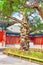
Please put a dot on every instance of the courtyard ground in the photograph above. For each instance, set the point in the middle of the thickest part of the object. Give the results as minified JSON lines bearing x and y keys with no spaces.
{"x":8,"y":60}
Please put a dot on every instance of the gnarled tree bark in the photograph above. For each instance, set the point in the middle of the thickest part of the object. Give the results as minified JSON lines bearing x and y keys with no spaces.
{"x":24,"y":33}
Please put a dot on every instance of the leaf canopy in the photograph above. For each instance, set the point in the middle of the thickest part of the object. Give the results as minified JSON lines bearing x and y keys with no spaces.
{"x":9,"y":6}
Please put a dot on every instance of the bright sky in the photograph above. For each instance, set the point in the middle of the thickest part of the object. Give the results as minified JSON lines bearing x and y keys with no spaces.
{"x":17,"y":15}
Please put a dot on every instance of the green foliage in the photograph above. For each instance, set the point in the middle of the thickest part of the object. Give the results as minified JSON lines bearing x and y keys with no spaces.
{"x":13,"y":6}
{"x":19,"y":2}
{"x":7,"y":8}
{"x":42,"y":5}
{"x":26,"y":10}
{"x":1,"y":5}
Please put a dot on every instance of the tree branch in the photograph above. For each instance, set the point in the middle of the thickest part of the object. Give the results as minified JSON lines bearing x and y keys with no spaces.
{"x":13,"y":18}
{"x":36,"y":5}
{"x":2,"y":21}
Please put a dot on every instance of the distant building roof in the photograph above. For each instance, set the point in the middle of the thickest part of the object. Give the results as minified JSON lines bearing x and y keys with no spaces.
{"x":14,"y":28}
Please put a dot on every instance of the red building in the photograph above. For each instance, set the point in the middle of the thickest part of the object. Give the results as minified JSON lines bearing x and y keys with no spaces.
{"x":14,"y":38}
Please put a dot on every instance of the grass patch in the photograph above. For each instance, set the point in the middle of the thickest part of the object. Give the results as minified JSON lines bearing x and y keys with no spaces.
{"x":38,"y":56}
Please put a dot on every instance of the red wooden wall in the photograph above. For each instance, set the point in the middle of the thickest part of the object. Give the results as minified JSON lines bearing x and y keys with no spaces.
{"x":12,"y":39}
{"x":16,"y":40}
{"x":37,"y":40}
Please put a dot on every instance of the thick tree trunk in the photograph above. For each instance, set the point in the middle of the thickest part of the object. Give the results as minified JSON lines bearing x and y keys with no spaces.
{"x":24,"y":34}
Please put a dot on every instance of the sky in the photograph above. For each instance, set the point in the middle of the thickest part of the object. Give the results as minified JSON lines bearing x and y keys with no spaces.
{"x":17,"y":15}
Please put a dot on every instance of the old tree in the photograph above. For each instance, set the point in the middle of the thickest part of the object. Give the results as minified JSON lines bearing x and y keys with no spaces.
{"x":7,"y":7}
